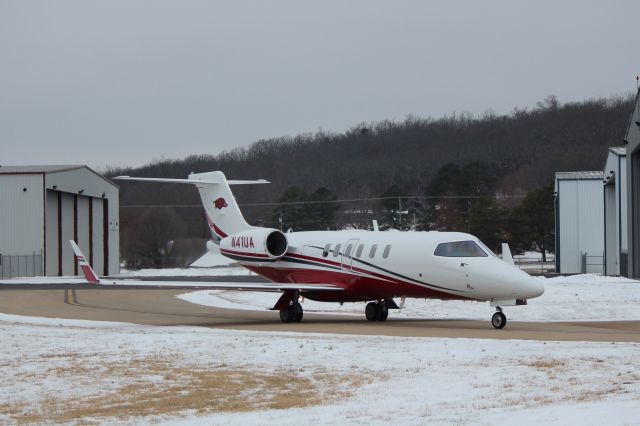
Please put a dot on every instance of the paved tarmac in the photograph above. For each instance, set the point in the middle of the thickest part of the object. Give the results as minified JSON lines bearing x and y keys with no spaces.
{"x":161,"y":307}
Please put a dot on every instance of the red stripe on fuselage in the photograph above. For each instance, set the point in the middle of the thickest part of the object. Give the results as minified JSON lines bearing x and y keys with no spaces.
{"x":348,"y":276}
{"x":357,"y":287}
{"x":349,"y":268}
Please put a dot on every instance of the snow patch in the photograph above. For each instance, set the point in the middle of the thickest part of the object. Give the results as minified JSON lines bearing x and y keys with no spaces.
{"x":408,"y":380}
{"x":575,"y":298}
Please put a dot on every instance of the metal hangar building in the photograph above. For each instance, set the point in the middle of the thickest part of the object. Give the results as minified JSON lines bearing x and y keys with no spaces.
{"x":615,"y":213}
{"x":43,"y":207}
{"x":579,"y":222}
{"x":632,"y":139}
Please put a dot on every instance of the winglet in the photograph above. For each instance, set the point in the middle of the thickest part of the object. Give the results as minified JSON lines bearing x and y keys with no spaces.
{"x":84,"y":265}
{"x":506,"y":254}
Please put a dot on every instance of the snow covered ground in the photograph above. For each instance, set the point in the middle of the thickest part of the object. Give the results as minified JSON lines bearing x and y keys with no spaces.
{"x":575,"y":298}
{"x":68,"y":371}
{"x":187,"y":272}
{"x":146,"y":273}
{"x":212,"y":258}
{"x":71,"y":371}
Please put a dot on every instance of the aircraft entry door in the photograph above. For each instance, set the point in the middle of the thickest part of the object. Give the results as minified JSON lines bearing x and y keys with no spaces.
{"x":348,"y":252}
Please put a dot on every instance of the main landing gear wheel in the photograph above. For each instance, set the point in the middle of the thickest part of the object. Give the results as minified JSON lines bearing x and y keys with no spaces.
{"x":376,"y":311}
{"x":293,"y":313}
{"x":498,"y":320}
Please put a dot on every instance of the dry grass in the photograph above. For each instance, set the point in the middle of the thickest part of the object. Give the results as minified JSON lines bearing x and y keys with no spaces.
{"x":546,"y":364}
{"x":154,"y":386}
{"x":554,"y":386}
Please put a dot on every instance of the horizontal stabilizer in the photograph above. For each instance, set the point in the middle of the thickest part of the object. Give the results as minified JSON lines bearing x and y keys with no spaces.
{"x":193,"y":181}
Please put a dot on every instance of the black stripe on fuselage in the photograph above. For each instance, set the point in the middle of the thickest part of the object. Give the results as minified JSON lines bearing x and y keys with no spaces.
{"x":308,"y":262}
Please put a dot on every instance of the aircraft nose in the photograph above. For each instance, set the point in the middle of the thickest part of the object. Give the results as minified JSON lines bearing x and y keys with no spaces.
{"x":531,"y":287}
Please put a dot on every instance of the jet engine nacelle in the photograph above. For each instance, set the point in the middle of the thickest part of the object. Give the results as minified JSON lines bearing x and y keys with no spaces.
{"x":258,"y":241}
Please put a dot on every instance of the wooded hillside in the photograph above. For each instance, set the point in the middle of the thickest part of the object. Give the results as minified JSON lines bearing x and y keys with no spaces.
{"x":523,"y":150}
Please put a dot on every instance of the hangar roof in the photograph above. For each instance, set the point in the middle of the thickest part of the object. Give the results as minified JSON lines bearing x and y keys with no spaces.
{"x":45,"y":169}
{"x":579,"y":175}
{"x":619,"y":150}
{"x":39,"y":169}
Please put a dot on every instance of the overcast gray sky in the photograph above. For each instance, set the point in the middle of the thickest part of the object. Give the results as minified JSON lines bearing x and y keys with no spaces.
{"x":127,"y":82}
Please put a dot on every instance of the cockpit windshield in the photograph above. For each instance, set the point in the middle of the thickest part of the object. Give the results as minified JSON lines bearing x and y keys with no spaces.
{"x":460,"y":249}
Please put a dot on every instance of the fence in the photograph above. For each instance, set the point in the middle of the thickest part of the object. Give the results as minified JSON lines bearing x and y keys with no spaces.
{"x":535,"y":266}
{"x":29,"y":265}
{"x":161,"y":262}
{"x":592,"y":264}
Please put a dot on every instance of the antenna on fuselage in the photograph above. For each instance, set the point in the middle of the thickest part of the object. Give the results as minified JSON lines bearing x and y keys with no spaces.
{"x":375,"y":225}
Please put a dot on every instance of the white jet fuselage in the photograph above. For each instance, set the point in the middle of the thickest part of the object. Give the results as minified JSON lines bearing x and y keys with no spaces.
{"x":379,"y":265}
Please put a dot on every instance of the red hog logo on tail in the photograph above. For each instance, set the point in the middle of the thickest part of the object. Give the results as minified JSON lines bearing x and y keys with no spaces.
{"x":220,"y":203}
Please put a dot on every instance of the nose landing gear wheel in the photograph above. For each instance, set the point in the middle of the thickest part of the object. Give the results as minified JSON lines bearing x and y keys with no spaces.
{"x":498,"y":320}
{"x":376,"y":311}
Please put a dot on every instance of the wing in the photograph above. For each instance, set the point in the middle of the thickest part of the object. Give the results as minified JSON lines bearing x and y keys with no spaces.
{"x":199,"y":285}
{"x":92,"y":279}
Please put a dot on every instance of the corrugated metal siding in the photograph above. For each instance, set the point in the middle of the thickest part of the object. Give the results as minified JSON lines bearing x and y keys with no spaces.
{"x":52,"y":233}
{"x":611,"y":225}
{"x":21,"y":214}
{"x":633,"y":190}
{"x":114,"y":238}
{"x":74,"y":181}
{"x":615,"y":210}
{"x":23,"y":224}
{"x":98,"y":237}
{"x":83,"y":225}
{"x":623,"y":204}
{"x":67,"y":234}
{"x":95,"y":186}
{"x":569,"y":252}
{"x":633,"y":210}
{"x":581,"y":222}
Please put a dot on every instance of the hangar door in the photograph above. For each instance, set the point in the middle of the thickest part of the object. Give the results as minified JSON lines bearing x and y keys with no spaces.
{"x":634,"y":211}
{"x":611,"y":230}
{"x":80,"y":218}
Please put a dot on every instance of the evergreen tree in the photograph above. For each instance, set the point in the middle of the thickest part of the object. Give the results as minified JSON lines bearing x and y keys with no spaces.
{"x":321,"y":214}
{"x":531,"y":224}
{"x":290,"y":214}
{"x":392,"y":206}
{"x":471,"y":180}
{"x":486,"y":221}
{"x":477,"y":178}
{"x":445,"y":214}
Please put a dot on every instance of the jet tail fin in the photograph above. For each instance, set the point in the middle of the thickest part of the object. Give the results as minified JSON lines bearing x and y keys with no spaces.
{"x":88,"y":272}
{"x":223,"y":213}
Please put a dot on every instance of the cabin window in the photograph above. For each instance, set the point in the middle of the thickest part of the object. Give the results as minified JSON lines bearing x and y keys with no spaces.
{"x":326,"y":250}
{"x":386,"y":251}
{"x":372,"y":252}
{"x":336,"y":251}
{"x":347,"y":251}
{"x":460,"y":249}
{"x":359,"y":251}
